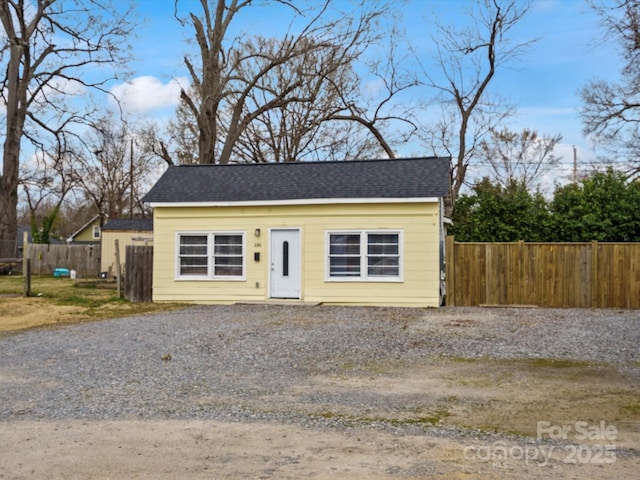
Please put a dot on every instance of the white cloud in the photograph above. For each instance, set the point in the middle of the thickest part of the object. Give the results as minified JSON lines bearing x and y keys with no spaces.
{"x":545,"y":5}
{"x":146,"y":93}
{"x":373,"y":88}
{"x":548,"y":111}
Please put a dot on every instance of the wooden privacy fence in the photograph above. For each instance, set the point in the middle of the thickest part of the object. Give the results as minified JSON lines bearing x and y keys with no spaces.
{"x":138,"y":273}
{"x":595,"y":275}
{"x":84,"y":259}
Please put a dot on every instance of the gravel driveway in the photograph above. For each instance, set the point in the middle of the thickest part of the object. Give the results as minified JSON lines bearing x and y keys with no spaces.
{"x":276,"y":364}
{"x":121,"y":368}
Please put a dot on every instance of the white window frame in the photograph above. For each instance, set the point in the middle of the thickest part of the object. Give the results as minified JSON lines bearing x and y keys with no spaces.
{"x":96,"y":231}
{"x":364,"y":235}
{"x":211,"y":256}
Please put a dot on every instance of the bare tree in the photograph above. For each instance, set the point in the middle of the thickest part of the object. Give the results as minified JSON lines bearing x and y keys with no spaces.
{"x":467,"y":60}
{"x":377,"y":113}
{"x":283,"y":132}
{"x":522,"y":157}
{"x":330,"y":95}
{"x":112,"y":170}
{"x":327,"y":113}
{"x":611,"y":111}
{"x":233,"y":78}
{"x":45,"y":183}
{"x":183,"y":132}
{"x":53,"y":50}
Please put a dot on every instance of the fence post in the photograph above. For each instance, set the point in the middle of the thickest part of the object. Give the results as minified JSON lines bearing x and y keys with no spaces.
{"x":490,"y":273}
{"x":523,"y":293}
{"x":594,"y":274}
{"x":118,"y":272}
{"x":26,"y":266}
{"x":450,"y":270}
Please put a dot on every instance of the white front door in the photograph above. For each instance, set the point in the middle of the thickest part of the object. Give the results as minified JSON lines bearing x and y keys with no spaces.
{"x":285,"y":263}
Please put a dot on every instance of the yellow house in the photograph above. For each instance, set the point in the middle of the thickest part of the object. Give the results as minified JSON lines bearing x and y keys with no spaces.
{"x":349,"y":233}
{"x":127,"y":232}
{"x":90,"y":232}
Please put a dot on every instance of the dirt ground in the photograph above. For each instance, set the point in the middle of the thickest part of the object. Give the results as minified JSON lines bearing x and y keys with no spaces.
{"x":19,"y":313}
{"x":216,"y":450}
{"x":597,"y":406}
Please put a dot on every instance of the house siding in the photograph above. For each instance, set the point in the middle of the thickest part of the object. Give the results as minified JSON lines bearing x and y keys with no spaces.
{"x":108,"y":246}
{"x":419,"y":223}
{"x":86,"y":234}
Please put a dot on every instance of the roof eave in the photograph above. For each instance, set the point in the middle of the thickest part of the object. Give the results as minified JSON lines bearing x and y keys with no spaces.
{"x":304,"y":201}
{"x":73,"y":235}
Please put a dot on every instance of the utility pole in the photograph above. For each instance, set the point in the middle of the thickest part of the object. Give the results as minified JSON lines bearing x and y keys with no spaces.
{"x":131,"y":180}
{"x":575,"y":164}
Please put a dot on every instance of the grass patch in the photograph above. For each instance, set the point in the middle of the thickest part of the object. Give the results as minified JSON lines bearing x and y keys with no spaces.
{"x":51,"y":287}
{"x":65,"y":301}
{"x":87,"y":302}
{"x":458,"y":359}
{"x":510,"y":396}
{"x":10,"y":285}
{"x":427,"y":419}
{"x":633,"y":408}
{"x":556,"y":363}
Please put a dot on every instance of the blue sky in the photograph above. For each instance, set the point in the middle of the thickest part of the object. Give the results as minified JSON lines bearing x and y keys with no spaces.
{"x":544,"y":85}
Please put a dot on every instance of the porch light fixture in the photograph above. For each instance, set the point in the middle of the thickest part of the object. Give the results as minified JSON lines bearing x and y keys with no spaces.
{"x":257,"y":232}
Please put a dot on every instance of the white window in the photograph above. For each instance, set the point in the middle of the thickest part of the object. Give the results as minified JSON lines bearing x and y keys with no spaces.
{"x":96,"y":231}
{"x":364,"y":255}
{"x":211,"y":255}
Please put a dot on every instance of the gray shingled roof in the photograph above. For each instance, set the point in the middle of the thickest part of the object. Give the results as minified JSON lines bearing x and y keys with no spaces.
{"x":399,"y":178}
{"x":126,"y":224}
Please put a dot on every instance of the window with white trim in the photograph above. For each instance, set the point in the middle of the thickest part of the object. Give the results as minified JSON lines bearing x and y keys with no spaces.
{"x":364,"y":255}
{"x":212,"y":255}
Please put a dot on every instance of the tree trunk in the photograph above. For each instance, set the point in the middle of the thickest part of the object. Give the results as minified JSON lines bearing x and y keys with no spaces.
{"x":85,"y":37}
{"x":15,"y":117}
{"x":208,"y":125}
{"x":9,"y":196}
{"x":8,"y":221}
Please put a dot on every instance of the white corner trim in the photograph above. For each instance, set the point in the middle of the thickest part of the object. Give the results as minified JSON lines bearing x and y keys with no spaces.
{"x":304,"y":201}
